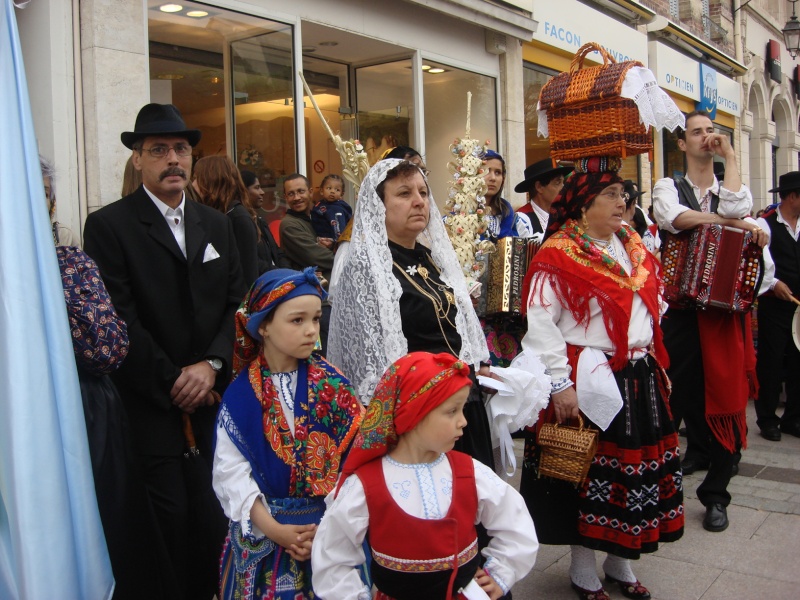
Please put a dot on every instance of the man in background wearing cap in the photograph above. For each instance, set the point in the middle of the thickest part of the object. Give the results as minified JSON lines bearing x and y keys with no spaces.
{"x":173,"y":272}
{"x":777,"y":353}
{"x":542,"y":184}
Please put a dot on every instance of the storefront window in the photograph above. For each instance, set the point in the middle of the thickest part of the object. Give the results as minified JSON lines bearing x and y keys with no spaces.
{"x":385,"y":107}
{"x":328,"y":81}
{"x":231,"y":76}
{"x":445,"y":89}
{"x":533,"y":80}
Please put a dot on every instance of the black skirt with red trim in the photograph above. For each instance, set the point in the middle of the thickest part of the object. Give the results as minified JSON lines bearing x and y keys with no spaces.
{"x":633,"y":496}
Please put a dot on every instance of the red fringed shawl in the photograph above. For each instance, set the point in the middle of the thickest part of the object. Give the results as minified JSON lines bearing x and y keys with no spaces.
{"x":578,"y":272}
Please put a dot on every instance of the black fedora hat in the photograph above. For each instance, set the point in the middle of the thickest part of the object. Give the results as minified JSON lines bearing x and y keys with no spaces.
{"x":787,"y":182}
{"x":631,"y":194}
{"x":159,"y":119}
{"x":539,"y":170}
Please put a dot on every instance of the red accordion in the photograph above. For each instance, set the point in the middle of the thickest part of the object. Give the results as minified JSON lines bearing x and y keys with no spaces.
{"x":711,"y":266}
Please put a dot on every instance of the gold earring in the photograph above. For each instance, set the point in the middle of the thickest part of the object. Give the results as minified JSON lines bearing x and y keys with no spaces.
{"x":584,"y":222}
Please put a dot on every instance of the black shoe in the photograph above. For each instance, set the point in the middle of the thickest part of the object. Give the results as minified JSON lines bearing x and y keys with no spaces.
{"x":791,"y":429}
{"x":689,"y":466}
{"x":716,"y":519}
{"x":735,"y":470}
{"x":771,"y":433}
{"x":634,"y":590}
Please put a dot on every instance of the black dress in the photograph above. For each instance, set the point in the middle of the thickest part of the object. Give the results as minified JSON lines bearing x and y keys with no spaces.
{"x":428,"y":312}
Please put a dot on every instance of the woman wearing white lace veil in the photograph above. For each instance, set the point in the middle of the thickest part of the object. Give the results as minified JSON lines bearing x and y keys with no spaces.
{"x":396,"y":296}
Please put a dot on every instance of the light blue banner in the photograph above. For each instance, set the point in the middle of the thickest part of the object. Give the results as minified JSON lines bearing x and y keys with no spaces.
{"x":51,"y":539}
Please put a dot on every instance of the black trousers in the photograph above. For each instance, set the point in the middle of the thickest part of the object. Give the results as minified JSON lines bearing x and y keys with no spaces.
{"x":193,"y":538}
{"x":688,"y":404}
{"x":777,"y":354}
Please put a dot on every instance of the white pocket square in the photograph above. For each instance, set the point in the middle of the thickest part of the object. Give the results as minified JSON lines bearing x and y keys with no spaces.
{"x":210,"y":253}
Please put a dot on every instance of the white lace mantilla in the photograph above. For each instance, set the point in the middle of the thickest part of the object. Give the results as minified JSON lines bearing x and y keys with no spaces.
{"x":366,"y":332}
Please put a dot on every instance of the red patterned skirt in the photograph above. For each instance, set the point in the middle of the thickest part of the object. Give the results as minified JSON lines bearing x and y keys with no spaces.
{"x":633,"y":496}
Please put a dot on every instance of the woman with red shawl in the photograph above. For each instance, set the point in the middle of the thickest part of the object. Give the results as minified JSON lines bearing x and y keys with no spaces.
{"x":593,"y":319}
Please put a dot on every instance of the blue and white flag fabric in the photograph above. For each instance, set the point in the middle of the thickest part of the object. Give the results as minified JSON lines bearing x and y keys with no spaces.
{"x":51,"y":538}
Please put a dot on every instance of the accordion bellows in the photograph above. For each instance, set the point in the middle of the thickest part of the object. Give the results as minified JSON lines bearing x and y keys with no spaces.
{"x":711,"y":266}
{"x":587,"y":116}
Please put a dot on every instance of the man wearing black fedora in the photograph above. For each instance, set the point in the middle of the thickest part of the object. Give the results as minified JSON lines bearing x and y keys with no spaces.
{"x":777,"y":353}
{"x":173,"y":272}
{"x":542,"y":184}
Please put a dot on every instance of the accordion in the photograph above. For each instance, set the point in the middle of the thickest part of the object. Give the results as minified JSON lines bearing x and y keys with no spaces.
{"x":508,"y":265}
{"x":711,"y":266}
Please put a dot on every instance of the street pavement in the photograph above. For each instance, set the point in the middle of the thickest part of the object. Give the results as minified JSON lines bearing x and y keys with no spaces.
{"x":757,"y":557}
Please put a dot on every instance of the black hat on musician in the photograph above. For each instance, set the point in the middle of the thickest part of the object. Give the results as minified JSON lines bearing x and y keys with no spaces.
{"x":788,"y":182}
{"x":538,"y":171}
{"x":159,"y":119}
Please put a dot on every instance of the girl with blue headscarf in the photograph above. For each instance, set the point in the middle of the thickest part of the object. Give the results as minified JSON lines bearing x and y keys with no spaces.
{"x":283,"y":429}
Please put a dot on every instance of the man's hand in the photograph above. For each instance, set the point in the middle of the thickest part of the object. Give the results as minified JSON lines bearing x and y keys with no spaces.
{"x":325,"y":242}
{"x":718,"y":144}
{"x":782,"y":292}
{"x":566,"y":404}
{"x":192,"y":387}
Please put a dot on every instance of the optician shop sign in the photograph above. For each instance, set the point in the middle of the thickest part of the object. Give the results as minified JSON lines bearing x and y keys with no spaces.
{"x":568,"y":25}
{"x":684,"y":76}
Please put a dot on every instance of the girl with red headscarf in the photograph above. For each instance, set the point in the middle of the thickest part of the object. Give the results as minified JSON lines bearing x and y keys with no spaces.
{"x":398,"y":486}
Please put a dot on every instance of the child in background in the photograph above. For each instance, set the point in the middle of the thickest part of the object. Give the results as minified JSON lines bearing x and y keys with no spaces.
{"x":283,"y":428}
{"x":418,"y":501}
{"x":331,"y":214}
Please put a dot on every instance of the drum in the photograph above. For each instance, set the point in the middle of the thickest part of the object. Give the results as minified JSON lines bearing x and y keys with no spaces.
{"x":796,"y":327}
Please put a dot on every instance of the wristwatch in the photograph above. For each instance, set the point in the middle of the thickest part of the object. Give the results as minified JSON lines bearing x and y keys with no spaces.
{"x":215,"y":363}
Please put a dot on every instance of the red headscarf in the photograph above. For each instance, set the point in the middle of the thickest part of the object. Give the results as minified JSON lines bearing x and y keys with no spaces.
{"x":410,"y":388}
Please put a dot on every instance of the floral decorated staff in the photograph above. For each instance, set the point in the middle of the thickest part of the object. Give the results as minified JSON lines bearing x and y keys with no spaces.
{"x":466,"y":202}
{"x":284,"y":425}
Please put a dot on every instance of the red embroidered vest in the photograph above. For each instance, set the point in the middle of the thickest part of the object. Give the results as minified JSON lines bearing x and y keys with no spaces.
{"x":413,"y":557}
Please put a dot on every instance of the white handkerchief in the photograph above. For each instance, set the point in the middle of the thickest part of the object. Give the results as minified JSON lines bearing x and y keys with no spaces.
{"x":210,"y":253}
{"x":522,"y":393}
{"x":598,"y":393}
{"x":473,"y":591}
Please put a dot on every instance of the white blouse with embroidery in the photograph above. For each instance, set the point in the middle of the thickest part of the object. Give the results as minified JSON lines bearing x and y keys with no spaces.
{"x":424,"y":491}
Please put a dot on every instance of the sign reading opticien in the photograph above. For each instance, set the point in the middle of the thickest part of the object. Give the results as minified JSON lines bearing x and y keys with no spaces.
{"x":681,"y":75}
{"x":568,"y":25}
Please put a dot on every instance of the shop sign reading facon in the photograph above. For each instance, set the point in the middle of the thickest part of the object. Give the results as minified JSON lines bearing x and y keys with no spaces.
{"x":568,"y":25}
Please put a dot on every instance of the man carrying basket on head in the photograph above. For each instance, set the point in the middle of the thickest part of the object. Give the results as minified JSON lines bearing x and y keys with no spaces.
{"x":593,"y":319}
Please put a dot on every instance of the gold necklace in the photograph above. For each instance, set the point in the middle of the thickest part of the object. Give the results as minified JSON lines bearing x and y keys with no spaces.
{"x":435,"y":299}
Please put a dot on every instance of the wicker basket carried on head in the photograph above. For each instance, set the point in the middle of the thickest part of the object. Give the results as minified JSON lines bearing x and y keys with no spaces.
{"x":566,"y":452}
{"x":586,"y":116}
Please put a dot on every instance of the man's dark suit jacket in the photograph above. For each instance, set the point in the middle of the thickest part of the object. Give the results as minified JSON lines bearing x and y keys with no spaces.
{"x":178,"y":310}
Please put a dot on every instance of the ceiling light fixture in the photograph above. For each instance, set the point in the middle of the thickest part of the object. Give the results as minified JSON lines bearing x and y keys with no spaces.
{"x":197,"y":14}
{"x":329,"y":43}
{"x":436,"y":70}
{"x":426,"y":67}
{"x":170,"y":8}
{"x":309,"y":49}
